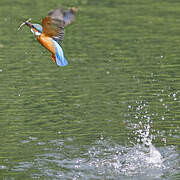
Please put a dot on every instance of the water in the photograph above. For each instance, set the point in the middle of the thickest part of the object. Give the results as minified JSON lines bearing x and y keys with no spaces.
{"x":113,"y":113}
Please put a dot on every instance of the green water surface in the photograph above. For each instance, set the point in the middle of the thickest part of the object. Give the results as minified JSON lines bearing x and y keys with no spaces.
{"x":123,"y":74}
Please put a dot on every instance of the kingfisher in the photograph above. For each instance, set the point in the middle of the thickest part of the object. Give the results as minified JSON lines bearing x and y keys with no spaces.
{"x":51,"y":33}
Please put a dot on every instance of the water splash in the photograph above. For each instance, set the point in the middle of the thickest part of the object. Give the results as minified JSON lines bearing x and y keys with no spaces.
{"x":146,"y":153}
{"x":134,"y":161}
{"x":106,"y":159}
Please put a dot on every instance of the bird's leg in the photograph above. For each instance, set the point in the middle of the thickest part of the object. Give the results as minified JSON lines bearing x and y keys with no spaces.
{"x":25,"y":23}
{"x":53,"y":58}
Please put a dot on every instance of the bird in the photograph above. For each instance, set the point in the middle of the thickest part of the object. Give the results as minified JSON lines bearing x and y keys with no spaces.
{"x":51,"y":33}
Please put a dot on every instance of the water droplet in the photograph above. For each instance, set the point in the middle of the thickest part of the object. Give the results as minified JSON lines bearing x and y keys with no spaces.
{"x":59,"y":132}
{"x":41,"y":143}
{"x":32,"y":138}
{"x":3,"y":167}
{"x":69,"y":139}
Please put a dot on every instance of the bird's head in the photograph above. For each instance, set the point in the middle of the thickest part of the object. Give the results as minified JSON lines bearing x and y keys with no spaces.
{"x":36,"y":29}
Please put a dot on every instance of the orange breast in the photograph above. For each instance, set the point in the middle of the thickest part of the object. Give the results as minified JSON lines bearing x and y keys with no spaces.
{"x":46,"y":42}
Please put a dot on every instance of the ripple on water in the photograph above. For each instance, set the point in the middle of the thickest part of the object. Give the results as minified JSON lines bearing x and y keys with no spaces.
{"x":105,"y":159}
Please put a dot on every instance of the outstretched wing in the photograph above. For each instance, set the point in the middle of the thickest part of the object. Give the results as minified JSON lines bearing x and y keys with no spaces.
{"x":69,"y":15}
{"x":57,"y":14}
{"x":53,"y":24}
{"x":53,"y":28}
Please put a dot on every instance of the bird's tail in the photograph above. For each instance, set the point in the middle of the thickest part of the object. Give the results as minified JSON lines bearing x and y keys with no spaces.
{"x":60,"y":59}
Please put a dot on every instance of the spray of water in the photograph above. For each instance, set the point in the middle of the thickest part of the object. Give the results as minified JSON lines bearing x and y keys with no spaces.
{"x":106,"y":159}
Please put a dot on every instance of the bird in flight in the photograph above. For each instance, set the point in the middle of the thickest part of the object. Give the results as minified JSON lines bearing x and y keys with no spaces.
{"x":51,"y":33}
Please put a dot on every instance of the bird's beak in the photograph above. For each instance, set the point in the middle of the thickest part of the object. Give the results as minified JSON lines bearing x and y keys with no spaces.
{"x":25,"y":23}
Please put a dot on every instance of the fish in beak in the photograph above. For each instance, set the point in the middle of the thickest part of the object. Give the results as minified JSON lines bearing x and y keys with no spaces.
{"x":25,"y":23}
